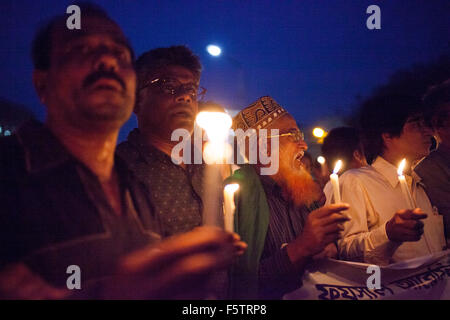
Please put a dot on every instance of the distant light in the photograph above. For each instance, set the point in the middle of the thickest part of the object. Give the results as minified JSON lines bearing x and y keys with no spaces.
{"x":7,"y":133}
{"x":318,"y":132}
{"x":214,"y":50}
{"x":320,"y":159}
{"x":0,"y":129}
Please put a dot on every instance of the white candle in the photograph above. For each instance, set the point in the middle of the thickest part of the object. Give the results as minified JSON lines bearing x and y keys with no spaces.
{"x":216,"y":126}
{"x":335,"y":182}
{"x":229,"y":206}
{"x":404,"y":185}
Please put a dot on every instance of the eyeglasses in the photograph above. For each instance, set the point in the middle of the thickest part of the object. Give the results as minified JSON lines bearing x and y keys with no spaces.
{"x":174,"y":87}
{"x":419,"y":123}
{"x":296,"y":135}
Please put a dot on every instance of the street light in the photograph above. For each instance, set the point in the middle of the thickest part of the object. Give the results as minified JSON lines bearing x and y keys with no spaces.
{"x":318,"y":132}
{"x":214,"y":50}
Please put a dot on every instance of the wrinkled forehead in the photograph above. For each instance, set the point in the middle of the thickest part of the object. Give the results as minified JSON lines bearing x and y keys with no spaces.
{"x":285,"y":123}
{"x":90,"y":25}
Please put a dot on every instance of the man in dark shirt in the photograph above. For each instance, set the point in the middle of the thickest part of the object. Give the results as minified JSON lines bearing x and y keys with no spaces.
{"x":66,"y":201}
{"x":279,"y":215}
{"x":168,"y":82}
{"x":434,"y":170}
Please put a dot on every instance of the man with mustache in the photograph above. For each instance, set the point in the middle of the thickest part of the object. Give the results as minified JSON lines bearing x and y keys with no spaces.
{"x":385,"y":227}
{"x":167,"y":93}
{"x":68,"y":201}
{"x":278,"y":215}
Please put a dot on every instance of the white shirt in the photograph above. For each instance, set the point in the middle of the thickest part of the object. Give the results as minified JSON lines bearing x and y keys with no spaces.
{"x":374,"y":195}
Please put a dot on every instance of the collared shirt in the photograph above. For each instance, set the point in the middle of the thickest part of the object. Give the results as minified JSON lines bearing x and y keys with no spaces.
{"x":175,"y":192}
{"x":54,"y":212}
{"x":374,"y":195}
{"x":435,"y":173}
{"x":277,"y":274}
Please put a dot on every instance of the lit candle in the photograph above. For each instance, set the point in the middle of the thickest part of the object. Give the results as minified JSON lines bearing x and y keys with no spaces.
{"x":229,"y":206}
{"x":217,"y":126}
{"x":404,"y":185}
{"x":335,"y":182}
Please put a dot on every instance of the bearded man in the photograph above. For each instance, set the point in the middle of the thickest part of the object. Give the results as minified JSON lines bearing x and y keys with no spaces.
{"x":279,"y":215}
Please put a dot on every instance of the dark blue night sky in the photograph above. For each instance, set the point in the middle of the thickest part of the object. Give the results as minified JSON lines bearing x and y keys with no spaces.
{"x":313,"y":57}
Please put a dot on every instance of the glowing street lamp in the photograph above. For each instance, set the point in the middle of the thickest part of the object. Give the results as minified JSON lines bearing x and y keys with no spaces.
{"x":214,"y":50}
{"x":318,"y":132}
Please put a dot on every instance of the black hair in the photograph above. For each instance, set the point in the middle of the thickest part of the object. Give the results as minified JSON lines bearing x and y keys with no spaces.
{"x":385,"y":114}
{"x":435,"y":98}
{"x":42,"y":42}
{"x":158,"y":58}
{"x":340,"y":143}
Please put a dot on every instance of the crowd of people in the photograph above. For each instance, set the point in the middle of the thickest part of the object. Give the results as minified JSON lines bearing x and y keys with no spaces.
{"x":132,"y":220}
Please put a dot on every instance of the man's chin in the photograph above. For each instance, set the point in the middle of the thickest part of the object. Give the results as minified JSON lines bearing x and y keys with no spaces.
{"x":299,"y":186}
{"x":107,"y":112}
{"x":182,"y":123}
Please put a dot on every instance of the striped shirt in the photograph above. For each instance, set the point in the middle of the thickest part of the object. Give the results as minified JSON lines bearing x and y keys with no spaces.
{"x":277,"y":275}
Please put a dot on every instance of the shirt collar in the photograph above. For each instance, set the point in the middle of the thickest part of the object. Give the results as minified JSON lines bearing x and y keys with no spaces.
{"x":151,"y":154}
{"x":148,"y":152}
{"x":389,"y":171}
{"x":42,"y":149}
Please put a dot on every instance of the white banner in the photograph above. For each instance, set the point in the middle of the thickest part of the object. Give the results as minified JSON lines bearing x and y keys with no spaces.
{"x":421,"y":278}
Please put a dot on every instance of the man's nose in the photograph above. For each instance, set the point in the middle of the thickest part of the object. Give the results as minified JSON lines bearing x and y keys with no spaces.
{"x":106,"y":61}
{"x":303,"y":145}
{"x":184,"y":97}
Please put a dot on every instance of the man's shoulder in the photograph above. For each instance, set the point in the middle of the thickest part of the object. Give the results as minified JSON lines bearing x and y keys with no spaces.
{"x":246,"y":174}
{"x":359,"y":174}
{"x":435,"y":162}
{"x":124,"y":149}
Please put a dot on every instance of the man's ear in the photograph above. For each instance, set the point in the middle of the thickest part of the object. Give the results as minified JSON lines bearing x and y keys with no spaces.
{"x":40,"y":84}
{"x":386,"y":137}
{"x":357,"y":155}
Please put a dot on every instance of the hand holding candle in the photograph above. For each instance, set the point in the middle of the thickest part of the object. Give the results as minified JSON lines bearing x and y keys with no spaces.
{"x":404,"y":185}
{"x":229,"y":206}
{"x":335,"y":182}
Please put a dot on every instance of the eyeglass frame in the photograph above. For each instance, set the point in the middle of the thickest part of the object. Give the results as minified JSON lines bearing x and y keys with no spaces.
{"x":298,"y":135}
{"x":174,"y":91}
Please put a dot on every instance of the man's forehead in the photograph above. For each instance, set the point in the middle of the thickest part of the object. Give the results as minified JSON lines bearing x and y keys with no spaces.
{"x":89,"y":26}
{"x":177,"y":72}
{"x":286,"y":122}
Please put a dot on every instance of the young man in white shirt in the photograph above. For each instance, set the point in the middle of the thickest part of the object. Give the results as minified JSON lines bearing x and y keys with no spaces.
{"x":383,"y":228}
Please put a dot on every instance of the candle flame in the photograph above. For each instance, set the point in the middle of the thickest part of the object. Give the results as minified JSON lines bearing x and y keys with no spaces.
{"x":231,"y":188}
{"x":216,"y":124}
{"x":337,"y":167}
{"x":401,"y":166}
